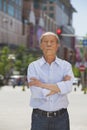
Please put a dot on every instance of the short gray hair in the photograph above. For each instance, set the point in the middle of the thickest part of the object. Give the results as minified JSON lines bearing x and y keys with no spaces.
{"x":49,"y":33}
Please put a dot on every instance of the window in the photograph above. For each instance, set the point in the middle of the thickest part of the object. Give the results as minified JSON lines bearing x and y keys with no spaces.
{"x":5,"y":6}
{"x":18,"y":14}
{"x":51,"y":15}
{"x":0,"y":4}
{"x":10,"y":10}
{"x":51,"y":8}
{"x":51,"y":1}
{"x":18,"y":2}
{"x":44,"y":8}
{"x":36,"y":4}
{"x":63,"y":7}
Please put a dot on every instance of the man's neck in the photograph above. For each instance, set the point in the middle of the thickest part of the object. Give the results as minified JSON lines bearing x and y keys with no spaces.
{"x":50,"y":59}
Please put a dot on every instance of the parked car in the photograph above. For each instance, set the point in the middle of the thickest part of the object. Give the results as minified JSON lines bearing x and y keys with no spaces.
{"x":16,"y":80}
{"x":76,"y":81}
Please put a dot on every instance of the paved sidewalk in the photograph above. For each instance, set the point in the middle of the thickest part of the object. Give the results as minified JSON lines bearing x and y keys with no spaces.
{"x":15,"y":113}
{"x":78,"y":110}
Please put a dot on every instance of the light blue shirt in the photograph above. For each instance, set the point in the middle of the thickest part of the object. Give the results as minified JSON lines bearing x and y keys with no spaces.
{"x":54,"y":74}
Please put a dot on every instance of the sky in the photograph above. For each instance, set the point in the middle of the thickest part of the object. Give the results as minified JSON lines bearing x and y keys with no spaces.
{"x":80,"y":17}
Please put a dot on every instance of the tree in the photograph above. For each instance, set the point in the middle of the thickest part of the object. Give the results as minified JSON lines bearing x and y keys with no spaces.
{"x":5,"y":64}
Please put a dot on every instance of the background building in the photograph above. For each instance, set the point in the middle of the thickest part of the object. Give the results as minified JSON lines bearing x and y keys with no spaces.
{"x":62,"y":12}
{"x":11,"y":22}
{"x":23,"y":22}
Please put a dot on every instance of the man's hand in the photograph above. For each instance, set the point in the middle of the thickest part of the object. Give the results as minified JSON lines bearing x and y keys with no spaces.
{"x":38,"y":83}
{"x":51,"y":93}
{"x":34,"y":82}
{"x":66,"y":78}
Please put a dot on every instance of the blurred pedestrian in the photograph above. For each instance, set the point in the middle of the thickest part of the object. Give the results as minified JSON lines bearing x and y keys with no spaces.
{"x":14,"y":83}
{"x":50,"y":80}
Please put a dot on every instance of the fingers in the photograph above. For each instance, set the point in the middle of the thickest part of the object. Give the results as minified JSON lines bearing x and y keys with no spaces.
{"x":34,"y":82}
{"x":33,"y":78}
{"x":30,"y":83}
{"x":51,"y":93}
{"x":67,"y":77}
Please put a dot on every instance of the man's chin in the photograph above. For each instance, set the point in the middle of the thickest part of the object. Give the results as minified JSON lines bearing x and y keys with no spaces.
{"x":49,"y":54}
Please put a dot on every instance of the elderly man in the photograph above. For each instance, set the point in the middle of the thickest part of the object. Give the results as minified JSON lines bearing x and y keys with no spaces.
{"x":50,"y":80}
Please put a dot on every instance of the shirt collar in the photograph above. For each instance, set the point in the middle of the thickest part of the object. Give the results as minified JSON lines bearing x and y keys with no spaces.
{"x":43,"y":61}
{"x":57,"y":60}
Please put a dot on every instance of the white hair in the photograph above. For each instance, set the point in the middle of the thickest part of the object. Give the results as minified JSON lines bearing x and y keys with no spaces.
{"x":49,"y":33}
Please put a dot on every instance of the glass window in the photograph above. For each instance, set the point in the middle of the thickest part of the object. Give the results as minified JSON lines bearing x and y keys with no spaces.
{"x":17,"y":2}
{"x":63,"y":7}
{"x":51,"y":1}
{"x":36,"y":4}
{"x":51,"y":15}
{"x":18,"y":14}
{"x":5,"y":6}
{"x":0,"y":4}
{"x":26,"y":21}
{"x":10,"y":10}
{"x":51,"y":8}
{"x":20,"y":2}
{"x":44,"y":8}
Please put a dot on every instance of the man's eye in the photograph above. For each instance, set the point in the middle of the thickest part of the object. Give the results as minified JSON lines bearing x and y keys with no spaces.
{"x":52,"y":41}
{"x":45,"y":41}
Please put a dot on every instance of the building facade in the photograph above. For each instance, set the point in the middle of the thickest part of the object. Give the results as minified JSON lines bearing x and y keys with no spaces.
{"x":62,"y":12}
{"x":23,"y":22}
{"x":36,"y":22}
{"x":11,"y":22}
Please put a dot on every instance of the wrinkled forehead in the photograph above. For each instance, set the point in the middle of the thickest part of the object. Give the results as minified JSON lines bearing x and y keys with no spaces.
{"x":49,"y":37}
{"x":49,"y":34}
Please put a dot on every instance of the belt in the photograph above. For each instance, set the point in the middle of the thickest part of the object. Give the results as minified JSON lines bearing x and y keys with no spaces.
{"x":49,"y":113}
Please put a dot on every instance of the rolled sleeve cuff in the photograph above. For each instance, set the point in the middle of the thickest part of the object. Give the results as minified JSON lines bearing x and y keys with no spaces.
{"x":45,"y":92}
{"x":65,"y":87}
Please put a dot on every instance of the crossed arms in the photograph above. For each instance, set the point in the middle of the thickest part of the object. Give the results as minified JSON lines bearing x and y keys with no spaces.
{"x":52,"y":87}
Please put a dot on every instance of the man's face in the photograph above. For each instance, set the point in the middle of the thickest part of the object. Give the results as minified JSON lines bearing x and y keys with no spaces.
{"x":49,"y":45}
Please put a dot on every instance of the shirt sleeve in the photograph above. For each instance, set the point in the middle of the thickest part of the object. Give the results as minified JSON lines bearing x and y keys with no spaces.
{"x":36,"y":92}
{"x":66,"y":86}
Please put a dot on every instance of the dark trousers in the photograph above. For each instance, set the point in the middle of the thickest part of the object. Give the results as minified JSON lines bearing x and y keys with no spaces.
{"x":41,"y":122}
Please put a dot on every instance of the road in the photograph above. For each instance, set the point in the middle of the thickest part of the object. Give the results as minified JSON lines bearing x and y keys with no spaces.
{"x":15,"y":112}
{"x":78,"y":110}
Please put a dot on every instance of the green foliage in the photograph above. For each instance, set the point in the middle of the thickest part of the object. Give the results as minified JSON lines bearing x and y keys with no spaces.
{"x":2,"y":68}
{"x":23,"y":58}
{"x":4,"y":61}
{"x":18,"y":64}
{"x":76,"y":71}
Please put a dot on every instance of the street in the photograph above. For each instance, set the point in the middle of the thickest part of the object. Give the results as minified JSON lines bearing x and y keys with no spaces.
{"x":15,"y":112}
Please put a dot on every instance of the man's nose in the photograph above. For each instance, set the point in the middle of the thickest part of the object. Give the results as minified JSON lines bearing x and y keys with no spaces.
{"x":49,"y":43}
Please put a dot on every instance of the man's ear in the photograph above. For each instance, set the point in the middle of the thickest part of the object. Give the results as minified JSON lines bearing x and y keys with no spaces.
{"x":58,"y":45}
{"x":40,"y":46}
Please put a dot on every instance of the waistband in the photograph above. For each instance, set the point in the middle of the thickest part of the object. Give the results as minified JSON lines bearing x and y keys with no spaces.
{"x":49,"y":113}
